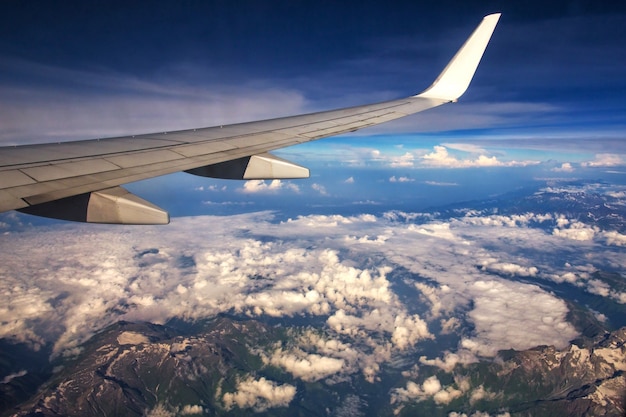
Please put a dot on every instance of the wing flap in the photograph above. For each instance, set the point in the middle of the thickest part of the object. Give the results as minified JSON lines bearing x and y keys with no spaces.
{"x":68,"y":151}
{"x":45,"y":173}
{"x":144,"y":158}
{"x":114,"y":205}
{"x":206,"y":148}
{"x":9,"y":201}
{"x":15,"y":178}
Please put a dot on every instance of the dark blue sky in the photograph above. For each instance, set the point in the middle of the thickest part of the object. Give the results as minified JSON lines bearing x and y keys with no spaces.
{"x":549,"y":98}
{"x":567,"y":54}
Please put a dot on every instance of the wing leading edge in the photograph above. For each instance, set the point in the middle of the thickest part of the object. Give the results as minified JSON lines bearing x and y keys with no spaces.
{"x":81,"y":180}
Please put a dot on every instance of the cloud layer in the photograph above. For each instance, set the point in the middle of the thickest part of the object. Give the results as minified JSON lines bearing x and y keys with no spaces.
{"x":378,"y":286}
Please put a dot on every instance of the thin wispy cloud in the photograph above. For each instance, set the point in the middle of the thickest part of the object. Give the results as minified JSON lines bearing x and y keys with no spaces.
{"x":78,"y":104}
{"x":319,"y":188}
{"x":606,"y":160}
{"x":400,"y":179}
{"x":441,"y":183}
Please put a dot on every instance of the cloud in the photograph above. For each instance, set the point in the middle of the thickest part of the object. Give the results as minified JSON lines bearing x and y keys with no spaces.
{"x":319,"y":188}
{"x":450,"y":360}
{"x":616,"y":194}
{"x":366,"y":203}
{"x":227,"y":203}
{"x":357,"y":301}
{"x":599,"y":287}
{"x":381,"y":239}
{"x":503,"y":319}
{"x":570,"y":277}
{"x":510,"y":269}
{"x":213,"y":187}
{"x":478,"y":414}
{"x":407,"y":160}
{"x":441,"y":184}
{"x":313,"y":355}
{"x":404,"y":217}
{"x":259,"y":394}
{"x":400,"y":179}
{"x":350,"y":180}
{"x":192,"y":409}
{"x":465,"y":147}
{"x":432,"y":294}
{"x":77,"y":104}
{"x":409,"y":330}
{"x":614,"y":238}
{"x":333,"y":220}
{"x":11,"y":377}
{"x":262,"y":187}
{"x":403,"y":161}
{"x":481,"y":393}
{"x":133,"y":105}
{"x":341,"y":269}
{"x":475,"y":115}
{"x":574,"y":230}
{"x":508,"y":221}
{"x":431,"y":388}
{"x":306,"y":366}
{"x":565,"y":167}
{"x":438,"y":230}
{"x":160,"y":410}
{"x":440,"y":158}
{"x":605,"y":160}
{"x":132,"y":338}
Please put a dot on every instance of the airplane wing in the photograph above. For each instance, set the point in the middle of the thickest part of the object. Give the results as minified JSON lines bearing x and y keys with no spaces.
{"x":81,"y":180}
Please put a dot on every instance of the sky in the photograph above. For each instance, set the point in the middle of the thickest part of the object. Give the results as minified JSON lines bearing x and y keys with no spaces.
{"x":79,"y":70}
{"x":547,"y":99}
{"x":547,"y":105}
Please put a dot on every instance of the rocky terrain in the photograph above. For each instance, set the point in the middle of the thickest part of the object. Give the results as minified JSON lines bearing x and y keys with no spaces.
{"x":136,"y":369}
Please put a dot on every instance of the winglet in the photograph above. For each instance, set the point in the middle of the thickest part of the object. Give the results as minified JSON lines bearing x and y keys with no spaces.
{"x":456,"y":76}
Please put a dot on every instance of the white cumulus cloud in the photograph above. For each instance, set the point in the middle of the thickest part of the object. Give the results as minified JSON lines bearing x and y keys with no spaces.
{"x":441,"y":158}
{"x":272,"y":187}
{"x":565,"y":167}
{"x":574,"y":230}
{"x":306,"y":366}
{"x":431,"y":388}
{"x":259,"y":394}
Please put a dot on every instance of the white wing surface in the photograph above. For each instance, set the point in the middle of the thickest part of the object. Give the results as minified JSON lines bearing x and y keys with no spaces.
{"x":81,"y":180}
